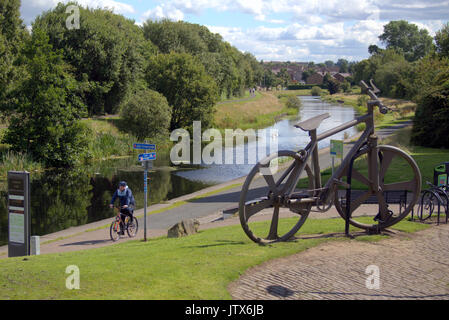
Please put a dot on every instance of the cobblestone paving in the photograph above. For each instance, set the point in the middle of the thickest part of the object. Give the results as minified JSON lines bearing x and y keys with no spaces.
{"x":411,"y":266}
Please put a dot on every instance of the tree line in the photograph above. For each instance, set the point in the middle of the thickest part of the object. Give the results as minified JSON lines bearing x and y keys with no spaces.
{"x":160,"y":76}
{"x":413,"y":66}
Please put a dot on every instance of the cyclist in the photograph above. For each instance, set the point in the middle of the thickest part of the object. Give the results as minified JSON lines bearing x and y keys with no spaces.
{"x":127,"y":203}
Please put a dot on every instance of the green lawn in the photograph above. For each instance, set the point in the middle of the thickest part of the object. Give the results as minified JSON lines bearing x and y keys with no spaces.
{"x":196,"y":267}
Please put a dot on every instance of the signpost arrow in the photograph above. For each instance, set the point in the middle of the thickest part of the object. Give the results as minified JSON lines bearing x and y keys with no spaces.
{"x":144,"y":146}
{"x":147,"y":156}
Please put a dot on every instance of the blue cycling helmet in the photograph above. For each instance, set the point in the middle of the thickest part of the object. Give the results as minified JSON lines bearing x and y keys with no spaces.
{"x":122,"y":184}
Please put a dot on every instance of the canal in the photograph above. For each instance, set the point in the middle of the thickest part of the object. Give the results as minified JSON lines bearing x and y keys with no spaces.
{"x":62,"y":199}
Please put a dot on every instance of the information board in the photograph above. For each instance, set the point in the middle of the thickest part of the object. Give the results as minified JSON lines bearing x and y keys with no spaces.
{"x":337,"y":148}
{"x":18,"y":213}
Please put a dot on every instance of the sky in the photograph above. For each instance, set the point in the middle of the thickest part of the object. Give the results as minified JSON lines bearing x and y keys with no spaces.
{"x":280,"y":30}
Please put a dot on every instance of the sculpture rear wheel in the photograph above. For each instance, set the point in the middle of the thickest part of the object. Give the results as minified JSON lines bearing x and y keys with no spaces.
{"x":264,"y":194}
{"x":400,"y":187}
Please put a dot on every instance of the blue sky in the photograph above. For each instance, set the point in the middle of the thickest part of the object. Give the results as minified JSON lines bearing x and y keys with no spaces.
{"x":281,"y":30}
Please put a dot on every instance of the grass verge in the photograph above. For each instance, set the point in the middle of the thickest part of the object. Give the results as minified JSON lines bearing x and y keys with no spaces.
{"x":257,"y":113}
{"x":196,"y":267}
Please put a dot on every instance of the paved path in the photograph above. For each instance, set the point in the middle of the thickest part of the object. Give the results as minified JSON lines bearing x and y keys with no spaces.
{"x":76,"y":238}
{"x":408,"y":269}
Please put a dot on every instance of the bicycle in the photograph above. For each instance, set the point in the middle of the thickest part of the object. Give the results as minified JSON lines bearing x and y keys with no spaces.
{"x":435,"y":196}
{"x":367,"y":163}
{"x":117,"y":225}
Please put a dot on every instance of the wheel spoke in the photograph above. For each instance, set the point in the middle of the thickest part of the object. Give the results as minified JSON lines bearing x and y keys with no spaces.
{"x":289,"y":187}
{"x":358,"y":176}
{"x":387,"y":157}
{"x":404,"y":185}
{"x":265,"y":171}
{"x":360,"y":200}
{"x":273,"y":235}
{"x":383,"y":206}
{"x":254,"y":206}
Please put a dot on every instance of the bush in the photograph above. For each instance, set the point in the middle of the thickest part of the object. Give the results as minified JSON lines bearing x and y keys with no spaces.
{"x":293,"y":102}
{"x":316,"y":91}
{"x":147,"y":114}
{"x":346,"y":87}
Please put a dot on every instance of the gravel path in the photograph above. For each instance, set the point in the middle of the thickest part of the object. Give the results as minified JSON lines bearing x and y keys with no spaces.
{"x":407,"y":266}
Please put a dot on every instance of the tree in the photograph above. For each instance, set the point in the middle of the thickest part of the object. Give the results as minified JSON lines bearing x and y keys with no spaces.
{"x":374,"y":49}
{"x":394,"y":76}
{"x":108,"y":53}
{"x":189,"y":90}
{"x":232,"y":70}
{"x":147,"y":114}
{"x":344,"y":65}
{"x":329,"y":63}
{"x":442,"y":41}
{"x":45,"y":122}
{"x":407,"y":38}
{"x":12,"y":35}
{"x":432,"y":114}
{"x":284,"y":77}
{"x":332,"y":84}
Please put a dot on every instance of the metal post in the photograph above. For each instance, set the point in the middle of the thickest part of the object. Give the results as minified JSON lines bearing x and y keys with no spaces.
{"x":332,"y":166}
{"x":145,"y":189}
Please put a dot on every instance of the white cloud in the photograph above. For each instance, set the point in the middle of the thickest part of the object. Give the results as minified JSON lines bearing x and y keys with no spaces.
{"x":298,"y":42}
{"x":162,"y":12}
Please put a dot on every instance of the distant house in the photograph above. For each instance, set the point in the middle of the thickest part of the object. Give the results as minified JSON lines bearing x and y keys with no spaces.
{"x":341,"y":77}
{"x":316,"y":78}
{"x":296,"y":75}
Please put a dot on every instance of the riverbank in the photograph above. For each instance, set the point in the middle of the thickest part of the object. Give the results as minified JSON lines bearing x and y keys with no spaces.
{"x":258,"y":113}
{"x":400,"y":110}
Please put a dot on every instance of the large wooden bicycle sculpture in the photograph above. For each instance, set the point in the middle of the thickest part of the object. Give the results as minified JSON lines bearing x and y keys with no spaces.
{"x":378,"y":170}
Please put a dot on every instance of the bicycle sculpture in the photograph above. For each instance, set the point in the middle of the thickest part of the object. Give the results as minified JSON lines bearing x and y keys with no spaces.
{"x":278,"y":182}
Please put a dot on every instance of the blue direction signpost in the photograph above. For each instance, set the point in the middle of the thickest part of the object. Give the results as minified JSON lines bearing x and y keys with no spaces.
{"x":144,"y":146}
{"x":147,"y":156}
{"x":146,"y":159}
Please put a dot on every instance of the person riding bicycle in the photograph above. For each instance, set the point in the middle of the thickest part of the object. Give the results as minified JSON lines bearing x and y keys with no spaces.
{"x":127,"y":202}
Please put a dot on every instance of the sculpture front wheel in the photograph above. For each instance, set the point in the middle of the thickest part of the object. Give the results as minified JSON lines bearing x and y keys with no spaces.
{"x":263,"y":198}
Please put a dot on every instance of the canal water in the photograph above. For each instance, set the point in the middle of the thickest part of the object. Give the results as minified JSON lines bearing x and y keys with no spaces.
{"x":62,"y":199}
{"x":288,"y":138}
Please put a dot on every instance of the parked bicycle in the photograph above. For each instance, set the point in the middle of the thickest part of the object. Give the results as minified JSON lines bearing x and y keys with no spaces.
{"x":117,"y":226}
{"x":370,"y":166}
{"x":436,"y":197}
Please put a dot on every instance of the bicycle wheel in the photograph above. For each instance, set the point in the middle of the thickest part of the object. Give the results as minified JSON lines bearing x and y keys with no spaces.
{"x":114,"y":230}
{"x":132,"y":228}
{"x":265,"y":192}
{"x":444,"y":204}
{"x":399,"y":189}
{"x":427,"y":205}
